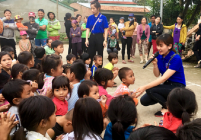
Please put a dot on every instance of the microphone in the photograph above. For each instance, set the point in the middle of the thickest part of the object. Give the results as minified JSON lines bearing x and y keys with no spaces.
{"x":150,"y":60}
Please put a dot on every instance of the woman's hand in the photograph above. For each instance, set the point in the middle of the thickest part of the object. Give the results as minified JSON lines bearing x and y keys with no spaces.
{"x":147,"y":40}
{"x":155,"y":61}
{"x":105,"y":43}
{"x":140,"y":41}
{"x":87,"y":42}
{"x":139,"y":91}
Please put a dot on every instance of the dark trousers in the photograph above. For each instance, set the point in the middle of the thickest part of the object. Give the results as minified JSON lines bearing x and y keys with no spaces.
{"x":77,"y":49}
{"x":84,"y":47}
{"x":95,"y":45}
{"x":149,"y":47}
{"x":8,"y":42}
{"x":70,"y":45}
{"x":159,"y":94}
{"x":197,"y":50}
{"x":127,"y":42}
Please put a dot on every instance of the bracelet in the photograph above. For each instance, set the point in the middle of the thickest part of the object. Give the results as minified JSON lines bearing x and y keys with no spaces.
{"x":155,"y":67}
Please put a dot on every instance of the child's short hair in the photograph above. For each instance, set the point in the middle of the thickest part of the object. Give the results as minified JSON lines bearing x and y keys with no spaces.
{"x":69,"y":115}
{"x":31,"y":74}
{"x":56,"y":43}
{"x":97,"y":56}
{"x":122,"y":72}
{"x":39,"y":52}
{"x":47,"y":41}
{"x":70,"y":56}
{"x":61,"y":82}
{"x":17,"y":68}
{"x":79,"y":70}
{"x":112,"y":55}
{"x":66,"y":67}
{"x":25,"y":57}
{"x":103,"y":75}
{"x":13,"y":89}
{"x":7,"y":49}
{"x":85,"y":56}
{"x":181,"y":102}
{"x":84,"y":88}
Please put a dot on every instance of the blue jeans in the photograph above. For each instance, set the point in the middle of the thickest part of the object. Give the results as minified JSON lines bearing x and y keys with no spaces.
{"x":40,"y":42}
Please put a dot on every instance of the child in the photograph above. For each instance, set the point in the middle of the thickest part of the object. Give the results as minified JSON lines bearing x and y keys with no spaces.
{"x":123,"y":115}
{"x":48,"y":49}
{"x":37,"y":115}
{"x":60,"y":90}
{"x":70,"y":58}
{"x":39,"y":55}
{"x":126,"y":75}
{"x":75,"y":34}
{"x":88,"y":126}
{"x":14,"y":92}
{"x":86,"y":59}
{"x":113,"y":59}
{"x":104,"y":78}
{"x":18,"y":21}
{"x":63,"y":125}
{"x":182,"y":105}
{"x":17,"y":71}
{"x":24,"y":43}
{"x":113,"y":45}
{"x":52,"y":67}
{"x":10,"y":50}
{"x":26,"y":58}
{"x":57,"y":46}
{"x":122,"y":25}
{"x":98,"y":60}
{"x":114,"y":31}
{"x":77,"y":73}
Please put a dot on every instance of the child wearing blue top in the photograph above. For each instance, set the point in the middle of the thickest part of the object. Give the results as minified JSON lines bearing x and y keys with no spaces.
{"x":98,"y":60}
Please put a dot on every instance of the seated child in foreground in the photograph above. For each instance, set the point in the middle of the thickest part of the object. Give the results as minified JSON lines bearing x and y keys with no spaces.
{"x":126,"y":75}
{"x":70,"y":58}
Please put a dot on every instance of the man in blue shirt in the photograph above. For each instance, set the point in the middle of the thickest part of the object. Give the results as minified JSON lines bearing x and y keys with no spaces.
{"x":153,"y":17}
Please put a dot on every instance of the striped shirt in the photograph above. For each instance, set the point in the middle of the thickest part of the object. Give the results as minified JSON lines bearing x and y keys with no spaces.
{"x":74,"y":97}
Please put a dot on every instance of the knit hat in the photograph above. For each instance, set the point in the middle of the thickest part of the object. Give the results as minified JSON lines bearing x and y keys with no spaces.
{"x":39,"y":52}
{"x":18,"y":17}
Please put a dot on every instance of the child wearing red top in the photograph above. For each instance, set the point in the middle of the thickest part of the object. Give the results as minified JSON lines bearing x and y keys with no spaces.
{"x":60,"y":89}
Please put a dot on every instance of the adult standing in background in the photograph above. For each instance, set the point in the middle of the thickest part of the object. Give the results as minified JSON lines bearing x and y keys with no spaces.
{"x":53,"y":26}
{"x":79,"y":19}
{"x":7,"y":36}
{"x":134,"y":41}
{"x":41,"y":37}
{"x":68,"y":25}
{"x":83,"y":29}
{"x":32,"y":30}
{"x":97,"y":24}
{"x":110,"y":28}
{"x":155,"y":31}
{"x":153,"y":17}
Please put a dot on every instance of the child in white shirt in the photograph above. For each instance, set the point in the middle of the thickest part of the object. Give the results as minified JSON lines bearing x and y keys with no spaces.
{"x":121,"y":25}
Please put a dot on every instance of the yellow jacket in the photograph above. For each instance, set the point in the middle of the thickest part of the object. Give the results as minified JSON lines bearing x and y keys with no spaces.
{"x":129,"y":29}
{"x":183,"y":32}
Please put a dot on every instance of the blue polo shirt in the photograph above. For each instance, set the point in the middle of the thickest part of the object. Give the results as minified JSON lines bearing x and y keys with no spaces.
{"x":150,"y":37}
{"x":175,"y":64}
{"x":100,"y":25}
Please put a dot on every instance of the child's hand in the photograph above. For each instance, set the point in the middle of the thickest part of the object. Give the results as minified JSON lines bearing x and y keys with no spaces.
{"x":133,"y":94}
{"x":34,"y":86}
{"x":5,"y":108}
{"x":71,"y":85}
{"x":115,"y":68}
{"x":103,"y":99}
{"x":6,"y":26}
{"x":155,"y":123}
{"x":60,"y":137}
{"x":49,"y":93}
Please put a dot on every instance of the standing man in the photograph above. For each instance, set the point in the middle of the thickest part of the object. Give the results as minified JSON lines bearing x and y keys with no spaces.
{"x":153,"y":17}
{"x":32,"y":30}
{"x":41,"y":37}
{"x":68,"y":25}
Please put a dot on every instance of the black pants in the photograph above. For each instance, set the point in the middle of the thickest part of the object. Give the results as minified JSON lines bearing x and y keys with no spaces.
{"x":77,"y":49}
{"x":70,"y":45}
{"x":159,"y":94}
{"x":197,"y":49}
{"x":84,"y":47}
{"x":127,"y":42}
{"x":8,"y":42}
{"x":95,"y":45}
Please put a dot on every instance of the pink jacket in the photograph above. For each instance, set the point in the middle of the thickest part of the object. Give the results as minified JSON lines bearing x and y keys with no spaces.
{"x":47,"y":85}
{"x":140,"y":32}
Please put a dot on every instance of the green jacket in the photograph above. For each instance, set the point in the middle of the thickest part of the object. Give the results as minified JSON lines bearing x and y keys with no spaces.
{"x":53,"y":27}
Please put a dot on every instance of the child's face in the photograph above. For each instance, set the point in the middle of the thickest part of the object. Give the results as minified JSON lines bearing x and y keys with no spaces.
{"x":112,"y":37}
{"x":85,"y":20}
{"x":61,"y":93}
{"x":52,"y":121}
{"x":121,"y":21}
{"x":18,"y":20}
{"x":7,"y":14}
{"x":59,"y":70}
{"x":114,"y":61}
{"x":68,"y":73}
{"x":113,"y":27}
{"x":99,"y":61}
{"x":71,"y":61}
{"x":6,"y":61}
{"x":26,"y":93}
{"x":12,"y":54}
{"x":31,"y":62}
{"x":130,"y":79}
{"x":110,"y":83}
{"x":49,"y":43}
{"x":94,"y":92}
{"x":24,"y":36}
{"x":59,"y":49}
{"x":68,"y":127}
{"x":88,"y":61}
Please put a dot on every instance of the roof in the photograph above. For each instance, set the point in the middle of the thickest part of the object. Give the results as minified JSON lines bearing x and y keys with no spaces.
{"x":117,"y":2}
{"x":66,"y":6}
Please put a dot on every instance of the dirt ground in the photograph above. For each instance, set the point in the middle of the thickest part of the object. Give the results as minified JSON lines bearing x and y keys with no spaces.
{"x":144,"y":76}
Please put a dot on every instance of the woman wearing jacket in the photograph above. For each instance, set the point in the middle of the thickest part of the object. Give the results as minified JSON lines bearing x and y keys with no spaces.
{"x":129,"y":28}
{"x":53,"y":26}
{"x":179,"y":34}
{"x":156,"y":31}
{"x":143,"y":33}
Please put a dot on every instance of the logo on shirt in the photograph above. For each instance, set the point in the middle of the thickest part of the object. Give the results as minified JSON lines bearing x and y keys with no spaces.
{"x":100,"y":20}
{"x":167,"y":67}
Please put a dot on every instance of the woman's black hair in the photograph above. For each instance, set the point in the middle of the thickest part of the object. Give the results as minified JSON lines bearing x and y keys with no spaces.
{"x":112,"y":18}
{"x":152,"y":133}
{"x":17,"y":68}
{"x":61,"y":82}
{"x":31,"y":112}
{"x":41,"y":10}
{"x":84,"y":88}
{"x":181,"y":17}
{"x":48,"y":15}
{"x":32,"y":75}
{"x":85,"y":56}
{"x":96,"y":4}
{"x":4,"y":53}
{"x":91,"y":122}
{"x":103,"y":75}
{"x":67,"y":16}
{"x":190,"y":131}
{"x":7,"y":10}
{"x":122,"y":113}
{"x":181,"y":102}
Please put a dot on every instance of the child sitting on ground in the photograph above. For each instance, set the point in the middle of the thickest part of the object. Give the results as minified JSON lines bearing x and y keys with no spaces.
{"x":39,"y":55}
{"x":98,"y":60}
{"x":26,"y":58}
{"x":48,"y":49}
{"x":19,"y":24}
{"x":122,"y":25}
{"x":70,"y":58}
{"x":113,"y":59}
{"x":14,"y":92}
{"x":113,"y":45}
{"x":17,"y":71}
{"x":57,"y":46}
{"x":24,"y":43}
{"x":60,"y":90}
{"x":126,"y":75}
{"x":66,"y":70}
{"x":63,"y":125}
{"x":87,"y":60}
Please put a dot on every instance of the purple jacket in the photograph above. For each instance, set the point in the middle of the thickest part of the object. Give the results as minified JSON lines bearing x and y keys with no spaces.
{"x":140,"y":32}
{"x":77,"y":38}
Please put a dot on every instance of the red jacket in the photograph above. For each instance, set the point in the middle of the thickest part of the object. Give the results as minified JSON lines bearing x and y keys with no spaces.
{"x":170,"y":122}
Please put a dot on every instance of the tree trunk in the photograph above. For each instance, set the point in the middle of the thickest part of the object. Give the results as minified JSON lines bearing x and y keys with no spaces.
{"x":186,"y":7}
{"x":197,"y":9}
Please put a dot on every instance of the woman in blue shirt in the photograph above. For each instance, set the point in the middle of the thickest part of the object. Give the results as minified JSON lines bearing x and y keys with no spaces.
{"x":169,"y":65}
{"x":96,"y":24}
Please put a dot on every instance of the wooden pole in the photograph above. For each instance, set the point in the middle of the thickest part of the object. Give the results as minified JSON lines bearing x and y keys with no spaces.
{"x":57,"y":9}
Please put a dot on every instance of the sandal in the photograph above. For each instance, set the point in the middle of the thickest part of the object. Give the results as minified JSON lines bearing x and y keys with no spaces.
{"x":131,"y":61}
{"x":133,"y":56}
{"x":123,"y":61}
